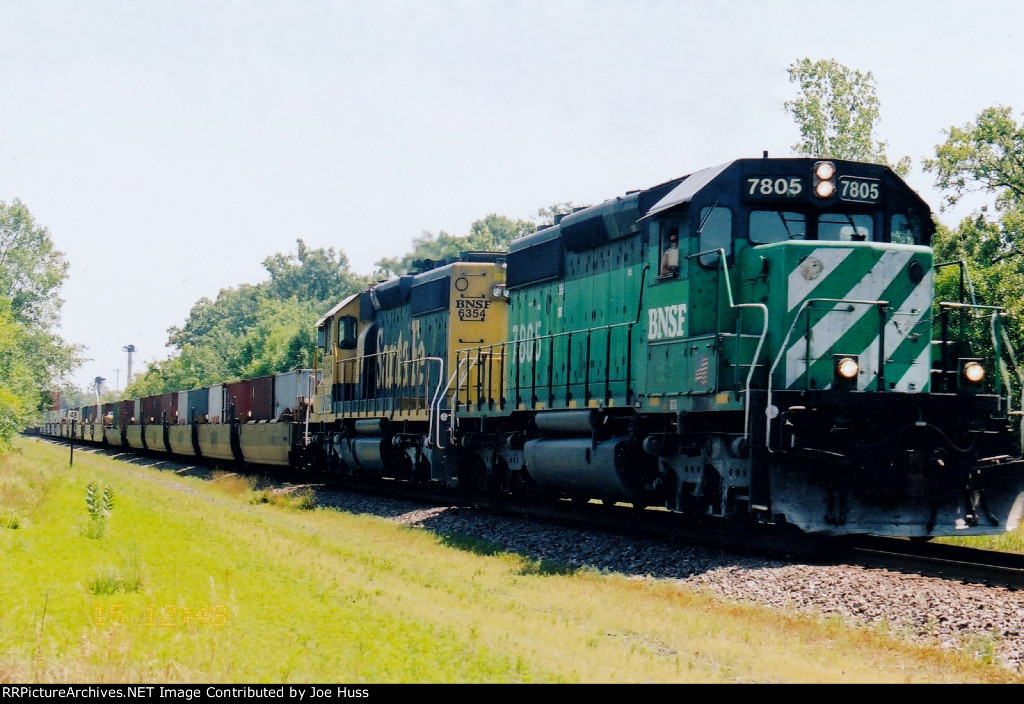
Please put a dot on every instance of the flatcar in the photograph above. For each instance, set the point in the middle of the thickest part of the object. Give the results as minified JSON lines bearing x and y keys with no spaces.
{"x":755,"y":341}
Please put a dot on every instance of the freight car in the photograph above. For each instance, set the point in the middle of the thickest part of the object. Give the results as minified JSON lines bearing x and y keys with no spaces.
{"x":755,"y":341}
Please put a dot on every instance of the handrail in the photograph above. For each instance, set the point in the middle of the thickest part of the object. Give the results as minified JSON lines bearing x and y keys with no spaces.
{"x":311,"y":384}
{"x":760,"y":342}
{"x":439,"y":397}
{"x":964,"y":273}
{"x":437,"y":390}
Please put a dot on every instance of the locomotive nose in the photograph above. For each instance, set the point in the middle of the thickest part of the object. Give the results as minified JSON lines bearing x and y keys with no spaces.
{"x":862,"y":301}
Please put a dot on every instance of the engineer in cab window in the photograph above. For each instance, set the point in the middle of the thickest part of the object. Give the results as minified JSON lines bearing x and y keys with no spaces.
{"x":670,"y":257}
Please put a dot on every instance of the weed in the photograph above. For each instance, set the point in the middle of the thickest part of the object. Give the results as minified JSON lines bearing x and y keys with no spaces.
{"x":982,"y":646}
{"x":10,"y":518}
{"x":302,"y":499}
{"x":545,"y":567}
{"x":104,"y":583}
{"x":233,"y":484}
{"x":110,"y":579}
{"x":99,"y":505}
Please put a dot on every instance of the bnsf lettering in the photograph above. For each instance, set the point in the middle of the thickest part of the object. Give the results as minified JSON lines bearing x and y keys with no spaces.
{"x":472,"y":308}
{"x":666,"y":322}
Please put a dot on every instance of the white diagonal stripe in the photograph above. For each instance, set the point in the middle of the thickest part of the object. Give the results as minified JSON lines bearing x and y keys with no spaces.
{"x":900,"y":325}
{"x":834,"y":324}
{"x":799,"y":286}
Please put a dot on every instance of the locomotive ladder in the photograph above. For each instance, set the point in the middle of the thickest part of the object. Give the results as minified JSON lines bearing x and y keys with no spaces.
{"x":761,"y":338}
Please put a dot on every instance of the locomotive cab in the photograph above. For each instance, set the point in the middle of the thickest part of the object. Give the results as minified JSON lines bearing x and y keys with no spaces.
{"x":807,"y":349}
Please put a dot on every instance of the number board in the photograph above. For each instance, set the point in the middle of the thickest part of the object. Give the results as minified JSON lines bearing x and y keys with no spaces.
{"x":859,"y":190}
{"x":774,"y":187}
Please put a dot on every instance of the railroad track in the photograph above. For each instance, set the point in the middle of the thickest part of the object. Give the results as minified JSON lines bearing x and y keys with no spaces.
{"x":953,"y":562}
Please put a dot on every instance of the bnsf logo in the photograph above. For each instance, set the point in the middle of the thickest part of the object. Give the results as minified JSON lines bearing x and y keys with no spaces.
{"x":666,"y":322}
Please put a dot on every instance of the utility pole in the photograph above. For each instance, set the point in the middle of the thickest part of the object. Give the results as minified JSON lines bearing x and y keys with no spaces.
{"x":130,"y":349}
{"x":117,"y":380}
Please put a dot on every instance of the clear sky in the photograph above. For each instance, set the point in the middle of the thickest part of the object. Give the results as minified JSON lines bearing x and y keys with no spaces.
{"x":171,"y":145}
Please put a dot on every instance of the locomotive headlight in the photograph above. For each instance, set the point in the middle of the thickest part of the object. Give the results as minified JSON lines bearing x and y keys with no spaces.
{"x":824,"y":186}
{"x":974,"y":372}
{"x":845,"y":368}
{"x":497,"y":291}
{"x":972,"y":375}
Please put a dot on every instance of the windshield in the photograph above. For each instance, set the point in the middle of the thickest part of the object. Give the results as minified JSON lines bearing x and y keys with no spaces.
{"x":845,"y":227}
{"x":767,"y":226}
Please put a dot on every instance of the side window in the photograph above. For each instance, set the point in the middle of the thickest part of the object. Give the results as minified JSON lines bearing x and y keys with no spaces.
{"x":904,"y":230}
{"x":347,"y":332}
{"x":767,"y":226}
{"x":669,"y":263}
{"x":323,"y":336}
{"x":715,"y":234}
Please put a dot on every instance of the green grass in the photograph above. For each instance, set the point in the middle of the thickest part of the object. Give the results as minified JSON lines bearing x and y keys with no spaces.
{"x":196,"y":581}
{"x":1012,"y":541}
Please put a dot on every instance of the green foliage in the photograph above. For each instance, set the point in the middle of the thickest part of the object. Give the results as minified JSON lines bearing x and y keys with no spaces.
{"x":320,"y":275}
{"x":99,"y":505}
{"x":427,"y":247}
{"x":32,"y":357}
{"x":985,"y":156}
{"x":111,"y":579}
{"x":29,"y":358}
{"x":493,"y":233}
{"x":31,"y":269}
{"x":255,"y":329}
{"x":837,"y":111}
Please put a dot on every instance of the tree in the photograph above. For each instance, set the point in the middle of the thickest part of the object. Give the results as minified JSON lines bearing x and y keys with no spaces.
{"x":311,"y":274}
{"x":836,"y":112}
{"x":985,"y":156}
{"x":33,"y":360}
{"x":19,"y":402}
{"x":551,"y":213}
{"x":426,"y":247}
{"x":31,"y":269}
{"x":493,"y":233}
{"x":255,"y":329}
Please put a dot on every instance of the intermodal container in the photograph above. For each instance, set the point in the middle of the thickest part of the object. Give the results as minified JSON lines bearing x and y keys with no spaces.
{"x":215,"y":404}
{"x":181,"y":409}
{"x":293,"y":393}
{"x":261,"y":407}
{"x":198,"y":405}
{"x":238,"y":400}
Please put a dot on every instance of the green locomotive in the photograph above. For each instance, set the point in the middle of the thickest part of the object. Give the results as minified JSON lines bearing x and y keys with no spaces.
{"x":752,"y":341}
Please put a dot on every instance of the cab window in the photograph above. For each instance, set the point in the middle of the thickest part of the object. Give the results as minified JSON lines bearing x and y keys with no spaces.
{"x":904,"y":230}
{"x":347,"y":332}
{"x":716,"y":233}
{"x":767,"y":226}
{"x":669,"y":256}
{"x":845,"y":227}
